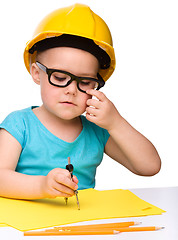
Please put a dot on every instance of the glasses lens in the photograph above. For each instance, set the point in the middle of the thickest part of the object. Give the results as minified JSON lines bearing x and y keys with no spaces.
{"x":86,"y":84}
{"x":59,"y":79}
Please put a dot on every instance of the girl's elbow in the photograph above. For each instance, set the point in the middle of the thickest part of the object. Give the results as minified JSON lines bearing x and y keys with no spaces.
{"x":154,"y":171}
{"x":153,"y":168}
{"x":156,"y":166}
{"x":150,"y":169}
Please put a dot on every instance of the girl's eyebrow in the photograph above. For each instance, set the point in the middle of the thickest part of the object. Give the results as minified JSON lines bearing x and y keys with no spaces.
{"x":87,"y":75}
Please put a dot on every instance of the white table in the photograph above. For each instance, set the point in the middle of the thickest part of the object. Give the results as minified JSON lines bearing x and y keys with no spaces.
{"x":165,"y":198}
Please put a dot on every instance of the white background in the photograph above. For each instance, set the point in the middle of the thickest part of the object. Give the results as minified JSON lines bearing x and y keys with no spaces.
{"x":143,"y":86}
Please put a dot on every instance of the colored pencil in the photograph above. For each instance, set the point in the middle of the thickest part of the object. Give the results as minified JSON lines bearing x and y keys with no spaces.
{"x":120,"y":229}
{"x":56,"y":233}
{"x":97,"y":226}
{"x":138,"y":229}
{"x":78,"y":231}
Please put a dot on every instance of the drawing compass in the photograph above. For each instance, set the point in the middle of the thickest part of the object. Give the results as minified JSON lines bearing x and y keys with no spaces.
{"x":70,"y":168}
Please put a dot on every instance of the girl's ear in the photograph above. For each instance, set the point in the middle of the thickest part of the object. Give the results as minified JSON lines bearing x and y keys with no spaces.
{"x":35,"y":73}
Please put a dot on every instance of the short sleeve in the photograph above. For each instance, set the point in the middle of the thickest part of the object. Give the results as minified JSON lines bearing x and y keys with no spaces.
{"x":14,"y":124}
{"x":105,"y":135}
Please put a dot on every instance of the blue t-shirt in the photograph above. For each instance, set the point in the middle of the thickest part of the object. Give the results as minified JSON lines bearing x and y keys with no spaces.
{"x":42,"y":151}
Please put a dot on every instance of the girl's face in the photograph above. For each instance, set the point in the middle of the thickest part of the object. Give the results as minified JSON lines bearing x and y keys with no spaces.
{"x":66,"y":103}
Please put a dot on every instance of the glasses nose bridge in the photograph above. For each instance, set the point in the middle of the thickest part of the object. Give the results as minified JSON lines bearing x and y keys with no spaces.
{"x":75,"y":78}
{"x":72,"y":87}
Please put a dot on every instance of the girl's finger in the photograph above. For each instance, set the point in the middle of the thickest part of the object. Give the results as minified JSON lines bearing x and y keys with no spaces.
{"x":91,"y":118}
{"x":94,"y":103}
{"x":74,"y":179}
{"x":62,"y":179}
{"x":63,"y":189}
{"x":101,"y":97}
{"x":91,"y":111}
{"x":56,"y":193}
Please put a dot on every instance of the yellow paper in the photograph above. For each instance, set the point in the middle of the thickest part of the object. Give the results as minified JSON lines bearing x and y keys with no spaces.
{"x":3,"y":225}
{"x":28,"y":215}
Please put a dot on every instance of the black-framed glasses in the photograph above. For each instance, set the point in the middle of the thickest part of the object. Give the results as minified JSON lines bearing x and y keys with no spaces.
{"x":60,"y":78}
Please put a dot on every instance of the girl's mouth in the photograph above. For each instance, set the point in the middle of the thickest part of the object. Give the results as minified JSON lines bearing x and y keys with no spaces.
{"x":68,"y":103}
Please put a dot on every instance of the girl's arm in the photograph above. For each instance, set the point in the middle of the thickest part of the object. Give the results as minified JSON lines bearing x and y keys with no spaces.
{"x":16,"y":185}
{"x":125,"y":144}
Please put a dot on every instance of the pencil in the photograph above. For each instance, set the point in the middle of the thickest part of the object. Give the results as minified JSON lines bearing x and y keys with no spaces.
{"x":136,"y":229}
{"x":56,"y":232}
{"x":69,"y":232}
{"x":97,"y":226}
{"x":120,"y":229}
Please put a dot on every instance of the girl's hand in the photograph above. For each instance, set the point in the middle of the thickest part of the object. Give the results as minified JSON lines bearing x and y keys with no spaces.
{"x":58,"y":183}
{"x":102,"y":112}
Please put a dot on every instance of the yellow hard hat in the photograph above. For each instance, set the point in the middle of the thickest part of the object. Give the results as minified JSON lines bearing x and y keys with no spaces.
{"x":78,"y":21}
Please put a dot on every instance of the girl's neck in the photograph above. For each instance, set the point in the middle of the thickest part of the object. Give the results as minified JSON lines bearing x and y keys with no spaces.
{"x":67,"y":130}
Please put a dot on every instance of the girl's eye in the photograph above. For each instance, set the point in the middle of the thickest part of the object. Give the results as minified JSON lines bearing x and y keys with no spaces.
{"x":86,"y":83}
{"x":60,"y":79}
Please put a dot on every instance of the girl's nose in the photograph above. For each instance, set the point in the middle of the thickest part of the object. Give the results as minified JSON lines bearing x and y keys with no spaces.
{"x":71,"y":88}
